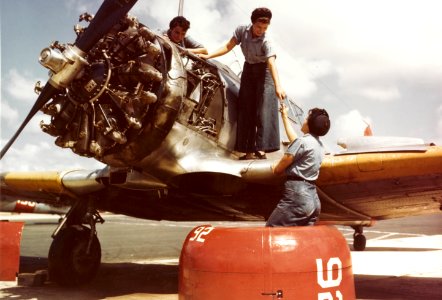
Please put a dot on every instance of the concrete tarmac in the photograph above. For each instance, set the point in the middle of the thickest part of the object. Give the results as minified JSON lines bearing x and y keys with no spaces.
{"x":403,"y":259}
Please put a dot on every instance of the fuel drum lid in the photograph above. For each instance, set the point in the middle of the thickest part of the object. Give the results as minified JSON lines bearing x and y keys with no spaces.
{"x":310,"y":262}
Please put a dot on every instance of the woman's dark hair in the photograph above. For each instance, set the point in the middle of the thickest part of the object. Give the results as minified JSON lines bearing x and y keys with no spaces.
{"x":261,"y":14}
{"x":179,"y":21}
{"x":318,"y":121}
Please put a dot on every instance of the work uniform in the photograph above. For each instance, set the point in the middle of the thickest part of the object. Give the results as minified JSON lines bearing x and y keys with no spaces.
{"x":187,"y":43}
{"x":299,"y":205}
{"x":257,"y":125}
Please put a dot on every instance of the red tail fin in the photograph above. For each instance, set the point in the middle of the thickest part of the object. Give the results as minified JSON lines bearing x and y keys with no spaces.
{"x":367,"y":131}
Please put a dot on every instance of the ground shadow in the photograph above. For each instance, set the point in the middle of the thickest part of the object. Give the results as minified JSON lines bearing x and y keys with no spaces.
{"x":395,"y":249}
{"x":112,"y":280}
{"x":137,"y":281}
{"x":392,"y":287}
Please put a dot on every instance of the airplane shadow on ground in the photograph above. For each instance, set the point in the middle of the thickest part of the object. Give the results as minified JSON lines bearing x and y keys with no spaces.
{"x":400,"y":288}
{"x":395,"y":249}
{"x":112,"y":280}
{"x":130,"y":279}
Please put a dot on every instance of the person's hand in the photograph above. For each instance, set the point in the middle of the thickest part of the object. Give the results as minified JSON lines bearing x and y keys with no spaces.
{"x":280,"y":93}
{"x":203,"y":56}
{"x":283,"y":109}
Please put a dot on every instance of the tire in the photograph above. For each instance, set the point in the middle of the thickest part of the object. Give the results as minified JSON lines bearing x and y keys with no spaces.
{"x":68,"y":263}
{"x":359,"y":242}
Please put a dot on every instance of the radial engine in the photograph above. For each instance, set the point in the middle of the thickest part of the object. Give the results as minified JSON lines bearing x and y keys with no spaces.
{"x":127,"y":96}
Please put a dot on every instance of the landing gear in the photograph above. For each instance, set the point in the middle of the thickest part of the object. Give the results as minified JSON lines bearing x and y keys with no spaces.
{"x":359,"y":240}
{"x":73,"y":259}
{"x":75,"y":252}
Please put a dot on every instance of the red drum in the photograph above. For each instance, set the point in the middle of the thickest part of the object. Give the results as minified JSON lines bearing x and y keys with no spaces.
{"x":265,"y":263}
{"x":10,"y":249}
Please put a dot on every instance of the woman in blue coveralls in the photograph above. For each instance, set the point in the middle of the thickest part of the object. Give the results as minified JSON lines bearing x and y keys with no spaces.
{"x":178,"y":27}
{"x":299,"y":205}
{"x":257,"y":124}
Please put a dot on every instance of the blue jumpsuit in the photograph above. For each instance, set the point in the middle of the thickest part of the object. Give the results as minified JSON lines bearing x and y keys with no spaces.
{"x":300,"y":205}
{"x":257,"y":126}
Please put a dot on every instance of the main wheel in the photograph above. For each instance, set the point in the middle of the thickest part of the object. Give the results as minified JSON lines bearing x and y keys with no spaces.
{"x":359,"y":242}
{"x":69,"y":262}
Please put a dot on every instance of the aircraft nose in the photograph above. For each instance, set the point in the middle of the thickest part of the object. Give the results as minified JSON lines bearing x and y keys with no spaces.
{"x":116,"y":98}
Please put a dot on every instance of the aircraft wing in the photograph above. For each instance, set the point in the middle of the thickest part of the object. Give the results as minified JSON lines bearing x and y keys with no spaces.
{"x":361,"y":186}
{"x":57,"y":188}
{"x":383,"y":185}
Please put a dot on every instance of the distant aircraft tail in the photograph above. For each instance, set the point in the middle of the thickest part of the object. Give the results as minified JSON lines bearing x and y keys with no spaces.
{"x":368,"y":131}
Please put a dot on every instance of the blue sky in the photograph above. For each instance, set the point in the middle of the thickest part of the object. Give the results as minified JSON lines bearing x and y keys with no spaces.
{"x":374,"y":61}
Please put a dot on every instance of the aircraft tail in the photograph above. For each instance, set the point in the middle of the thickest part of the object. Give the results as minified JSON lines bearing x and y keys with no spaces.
{"x":368,"y":131}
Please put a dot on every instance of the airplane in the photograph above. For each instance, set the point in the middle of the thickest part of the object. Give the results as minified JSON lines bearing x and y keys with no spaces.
{"x":14,"y":205}
{"x":164,"y":122}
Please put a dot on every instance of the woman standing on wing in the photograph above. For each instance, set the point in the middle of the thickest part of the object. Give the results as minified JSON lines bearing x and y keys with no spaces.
{"x":257,"y":124}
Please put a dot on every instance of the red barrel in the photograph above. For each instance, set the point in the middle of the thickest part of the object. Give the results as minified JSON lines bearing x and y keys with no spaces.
{"x":265,"y":263}
{"x":10,"y":237}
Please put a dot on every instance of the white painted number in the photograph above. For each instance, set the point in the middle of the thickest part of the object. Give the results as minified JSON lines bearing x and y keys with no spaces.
{"x":26,"y":203}
{"x":329,"y":281}
{"x":200,"y":232}
{"x":329,"y":296}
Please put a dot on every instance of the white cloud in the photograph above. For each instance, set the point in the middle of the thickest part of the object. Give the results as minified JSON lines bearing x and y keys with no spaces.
{"x":8,"y":114}
{"x":20,"y":85}
{"x":44,"y":156}
{"x":82,"y":6}
{"x":34,"y":124}
{"x":381,"y":93}
{"x":350,"y":124}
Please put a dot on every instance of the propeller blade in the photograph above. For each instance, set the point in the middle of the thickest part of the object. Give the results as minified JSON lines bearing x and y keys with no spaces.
{"x":109,"y":13}
{"x":47,"y":93}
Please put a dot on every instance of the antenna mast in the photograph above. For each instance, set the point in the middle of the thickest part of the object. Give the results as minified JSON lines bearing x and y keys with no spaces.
{"x":180,"y":8}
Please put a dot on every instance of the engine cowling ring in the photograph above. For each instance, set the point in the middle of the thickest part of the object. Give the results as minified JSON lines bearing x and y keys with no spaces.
{"x":161,"y":117}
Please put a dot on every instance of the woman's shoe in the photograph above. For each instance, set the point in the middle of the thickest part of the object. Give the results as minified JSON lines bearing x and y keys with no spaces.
{"x":247,"y":156}
{"x":260,"y":155}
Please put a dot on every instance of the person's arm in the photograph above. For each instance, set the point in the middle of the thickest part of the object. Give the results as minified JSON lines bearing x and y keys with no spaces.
{"x":193,"y":46}
{"x":221,"y":51}
{"x":198,"y":50}
{"x":287,"y":159}
{"x":280,"y":93}
{"x":289,"y":130}
{"x":279,"y":167}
